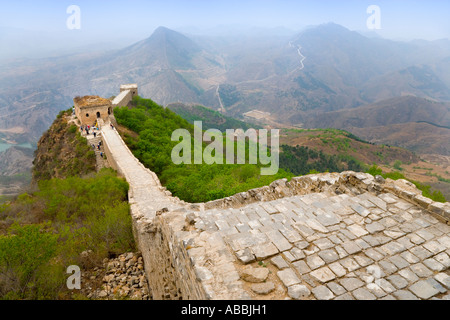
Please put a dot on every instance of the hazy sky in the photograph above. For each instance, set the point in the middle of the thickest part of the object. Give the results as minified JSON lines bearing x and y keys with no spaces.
{"x":406,"y":19}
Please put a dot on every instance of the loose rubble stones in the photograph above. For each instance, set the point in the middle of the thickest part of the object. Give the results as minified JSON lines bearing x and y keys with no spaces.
{"x":122,"y":278}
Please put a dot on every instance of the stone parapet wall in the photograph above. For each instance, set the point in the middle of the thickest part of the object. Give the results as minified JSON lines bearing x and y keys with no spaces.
{"x":345,"y":182}
{"x":123,"y":99}
{"x":170,"y":271}
{"x":110,"y":158}
{"x":406,"y":190}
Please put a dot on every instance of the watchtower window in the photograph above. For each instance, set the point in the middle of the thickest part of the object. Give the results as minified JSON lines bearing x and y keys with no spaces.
{"x":98,"y":114}
{"x":87,"y":115}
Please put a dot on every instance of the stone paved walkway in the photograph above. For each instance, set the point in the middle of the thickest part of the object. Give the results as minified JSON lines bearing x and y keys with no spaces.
{"x":337,"y":247}
{"x":146,"y":190}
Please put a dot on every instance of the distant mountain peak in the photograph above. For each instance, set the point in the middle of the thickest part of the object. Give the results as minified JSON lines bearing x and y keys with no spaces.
{"x":327,"y":27}
{"x":333,"y":26}
{"x":169,"y":37}
{"x":168,"y":33}
{"x":161,"y":30}
{"x":328,"y":31}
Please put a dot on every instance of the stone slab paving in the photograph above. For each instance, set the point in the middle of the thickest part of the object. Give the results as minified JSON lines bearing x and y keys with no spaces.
{"x":318,"y":246}
{"x":145,"y":188}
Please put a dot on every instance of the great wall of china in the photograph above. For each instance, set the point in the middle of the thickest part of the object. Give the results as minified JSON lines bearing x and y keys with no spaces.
{"x":321,"y":236}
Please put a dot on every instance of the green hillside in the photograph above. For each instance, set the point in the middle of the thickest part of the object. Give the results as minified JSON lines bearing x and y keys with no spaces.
{"x":191,"y":182}
{"x":303,"y":160}
{"x":211,"y":119}
{"x":45,"y":230}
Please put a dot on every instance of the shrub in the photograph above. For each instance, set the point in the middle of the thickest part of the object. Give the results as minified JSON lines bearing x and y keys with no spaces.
{"x":25,"y":254}
{"x":72,"y":129}
{"x":74,"y":198}
{"x":398,"y":165}
{"x":81,"y":214}
{"x":375,"y":171}
{"x":111,"y":233}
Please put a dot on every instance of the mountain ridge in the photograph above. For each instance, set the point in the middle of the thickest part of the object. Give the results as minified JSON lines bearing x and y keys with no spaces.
{"x":391,"y":111}
{"x":245,"y":75}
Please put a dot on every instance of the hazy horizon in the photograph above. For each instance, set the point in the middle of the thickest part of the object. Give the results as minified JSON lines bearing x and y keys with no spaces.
{"x":41,"y":26}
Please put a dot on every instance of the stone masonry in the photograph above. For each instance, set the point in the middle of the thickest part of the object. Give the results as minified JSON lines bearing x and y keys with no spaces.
{"x":127,"y":92}
{"x":323,"y":236}
{"x":89,"y":109}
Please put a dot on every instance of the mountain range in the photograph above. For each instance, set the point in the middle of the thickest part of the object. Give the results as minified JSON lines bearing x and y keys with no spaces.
{"x":418,"y":124}
{"x":325,"y":76}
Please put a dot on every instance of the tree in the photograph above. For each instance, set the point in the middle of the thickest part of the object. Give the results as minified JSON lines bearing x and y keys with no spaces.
{"x":397,"y":165}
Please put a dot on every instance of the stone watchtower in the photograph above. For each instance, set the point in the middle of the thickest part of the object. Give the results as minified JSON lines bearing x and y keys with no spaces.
{"x":127,"y":92}
{"x":132,"y":87}
{"x":90,"y":108}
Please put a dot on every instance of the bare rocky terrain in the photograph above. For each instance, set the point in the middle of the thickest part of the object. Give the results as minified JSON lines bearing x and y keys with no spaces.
{"x":15,"y":170}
